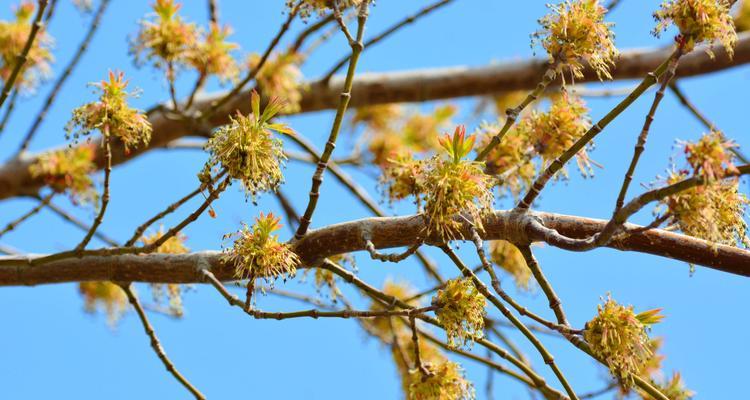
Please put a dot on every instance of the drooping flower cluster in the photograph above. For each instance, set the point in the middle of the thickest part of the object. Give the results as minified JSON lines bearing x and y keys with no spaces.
{"x":403,"y":177}
{"x":257,"y":252}
{"x":112,"y":115}
{"x":106,"y":295}
{"x":248,"y":149}
{"x":461,"y":312}
{"x":507,"y":256}
{"x":454,"y":186}
{"x":713,"y":212}
{"x":574,"y":32}
{"x":710,"y":157}
{"x":553,"y":132}
{"x":280,"y":77}
{"x":619,"y":337}
{"x":446,"y":382}
{"x":699,"y":21}
{"x":173,"y":245}
{"x":13,"y":37}
{"x":67,"y":170}
{"x":212,"y":54}
{"x":166,"y":39}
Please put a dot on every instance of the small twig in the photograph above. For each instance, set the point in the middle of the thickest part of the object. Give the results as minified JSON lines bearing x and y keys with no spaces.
{"x":417,"y":356}
{"x":13,"y":224}
{"x":394,"y":257}
{"x":385,"y":34}
{"x":317,"y":179}
{"x":213,"y":11}
{"x":82,"y":48}
{"x":156,"y":344}
{"x":80,"y":224}
{"x":105,"y":195}
{"x":23,"y":57}
{"x":9,"y":110}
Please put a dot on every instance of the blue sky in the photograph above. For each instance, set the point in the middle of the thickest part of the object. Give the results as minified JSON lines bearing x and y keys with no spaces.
{"x":51,"y":348}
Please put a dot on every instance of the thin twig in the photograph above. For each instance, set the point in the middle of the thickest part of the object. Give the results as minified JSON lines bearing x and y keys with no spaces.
{"x":9,"y":110}
{"x":80,"y":224}
{"x":13,"y":224}
{"x":156,"y":344}
{"x":105,"y":195}
{"x":317,"y":179}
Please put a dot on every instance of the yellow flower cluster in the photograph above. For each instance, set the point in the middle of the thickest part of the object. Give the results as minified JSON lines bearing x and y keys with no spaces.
{"x":455,"y":186}
{"x":13,"y":37}
{"x":575,"y":32}
{"x":257,"y":252}
{"x":713,"y":212}
{"x":619,"y":337}
{"x":553,"y":132}
{"x":699,"y":21}
{"x":711,"y":156}
{"x":106,"y":295}
{"x":112,"y":115}
{"x":248,"y":150}
{"x":280,"y":77}
{"x":403,"y":177}
{"x":168,"y":41}
{"x":507,"y":256}
{"x":445,"y":382}
{"x":461,"y":312}
{"x":67,"y":170}
{"x":511,"y":161}
{"x":173,"y":245}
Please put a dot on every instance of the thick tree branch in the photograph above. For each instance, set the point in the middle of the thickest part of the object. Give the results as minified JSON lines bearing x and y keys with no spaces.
{"x":347,"y":237}
{"x":378,"y":88}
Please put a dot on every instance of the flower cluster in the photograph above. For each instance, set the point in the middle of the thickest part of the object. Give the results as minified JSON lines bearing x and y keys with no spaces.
{"x":173,"y":245}
{"x":511,"y":161}
{"x":106,"y":295}
{"x":112,"y":115}
{"x":713,"y":212}
{"x":673,"y":389}
{"x":67,"y":170}
{"x":403,"y":177}
{"x":461,"y":312}
{"x":454,"y":186}
{"x":13,"y":37}
{"x":553,"y":132}
{"x":507,"y":256}
{"x":619,"y":337}
{"x":711,"y":156}
{"x":575,"y":32}
{"x":280,"y":77}
{"x":212,"y":54}
{"x":257,"y":252}
{"x":446,"y":381}
{"x":248,"y":150}
{"x":165,"y":40}
{"x":394,"y":133}
{"x":699,"y":21}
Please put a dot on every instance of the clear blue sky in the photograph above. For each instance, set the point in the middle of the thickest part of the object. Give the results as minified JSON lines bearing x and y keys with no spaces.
{"x":50,"y":348}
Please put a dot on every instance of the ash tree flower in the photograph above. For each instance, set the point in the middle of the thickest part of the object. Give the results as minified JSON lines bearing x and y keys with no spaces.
{"x":699,"y":21}
{"x":446,"y":381}
{"x":166,"y":40}
{"x":508,"y":257}
{"x":619,"y":336}
{"x":461,"y":312}
{"x":104,"y":295}
{"x":112,"y":115}
{"x":280,"y":77}
{"x":711,"y":156}
{"x":248,"y":149}
{"x":574,"y":32}
{"x":173,"y":245}
{"x":511,"y":161}
{"x":454,"y":186}
{"x":553,"y":132}
{"x":13,"y":37}
{"x":257,"y":252}
{"x":68,"y":170}
{"x":212,"y":54}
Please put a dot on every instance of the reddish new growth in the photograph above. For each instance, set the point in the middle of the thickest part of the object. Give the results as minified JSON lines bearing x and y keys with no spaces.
{"x":112,"y":115}
{"x":13,"y":37}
